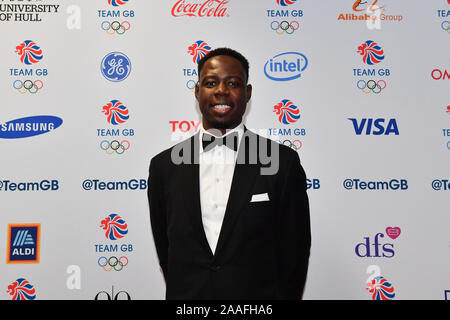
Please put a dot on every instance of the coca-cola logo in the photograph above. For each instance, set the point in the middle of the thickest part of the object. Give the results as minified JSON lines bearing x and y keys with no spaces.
{"x":202,"y":8}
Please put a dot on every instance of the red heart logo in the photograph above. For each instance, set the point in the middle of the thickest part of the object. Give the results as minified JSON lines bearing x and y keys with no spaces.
{"x":393,"y":233}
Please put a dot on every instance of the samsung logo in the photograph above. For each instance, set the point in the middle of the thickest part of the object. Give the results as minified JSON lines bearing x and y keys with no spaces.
{"x":285,"y":66}
{"x":29,"y":126}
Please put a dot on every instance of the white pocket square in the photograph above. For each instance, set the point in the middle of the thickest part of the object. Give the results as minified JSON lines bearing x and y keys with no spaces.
{"x":260,"y":197}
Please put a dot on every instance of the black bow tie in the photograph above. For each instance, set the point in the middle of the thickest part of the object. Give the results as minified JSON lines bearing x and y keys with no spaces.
{"x":209,"y":141}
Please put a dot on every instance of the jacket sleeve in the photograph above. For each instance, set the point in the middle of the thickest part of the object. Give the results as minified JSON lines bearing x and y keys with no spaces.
{"x":158,"y":218}
{"x":293,"y":233}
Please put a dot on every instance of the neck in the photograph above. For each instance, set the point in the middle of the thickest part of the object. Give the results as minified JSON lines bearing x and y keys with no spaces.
{"x":218,"y":131}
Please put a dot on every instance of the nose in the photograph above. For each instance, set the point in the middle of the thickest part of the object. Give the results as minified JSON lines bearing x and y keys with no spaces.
{"x":221,"y":88}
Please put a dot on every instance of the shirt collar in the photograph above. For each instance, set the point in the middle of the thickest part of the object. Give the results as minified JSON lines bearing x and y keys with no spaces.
{"x":239,"y":129}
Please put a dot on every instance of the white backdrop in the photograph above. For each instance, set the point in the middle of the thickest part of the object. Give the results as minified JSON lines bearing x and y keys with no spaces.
{"x":409,"y":222}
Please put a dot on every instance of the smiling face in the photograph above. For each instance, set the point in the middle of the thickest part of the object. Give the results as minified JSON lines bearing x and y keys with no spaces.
{"x":222,"y":93}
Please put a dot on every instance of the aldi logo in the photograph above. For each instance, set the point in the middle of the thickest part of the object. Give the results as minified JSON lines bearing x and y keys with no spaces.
{"x":23,"y":243}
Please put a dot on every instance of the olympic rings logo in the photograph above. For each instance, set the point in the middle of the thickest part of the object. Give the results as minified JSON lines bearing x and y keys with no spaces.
{"x":445,"y":25}
{"x":28,"y":86}
{"x":112,"y":263}
{"x":190,"y":84}
{"x":115,"y":27}
{"x":371,"y":86}
{"x":115,"y":146}
{"x":284,"y":26}
{"x":295,"y":144}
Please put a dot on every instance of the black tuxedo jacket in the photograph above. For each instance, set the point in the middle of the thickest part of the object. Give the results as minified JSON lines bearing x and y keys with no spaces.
{"x":263,"y":247}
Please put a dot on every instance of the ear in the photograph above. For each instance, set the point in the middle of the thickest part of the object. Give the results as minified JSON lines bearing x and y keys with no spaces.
{"x":197,"y":91}
{"x":249,"y":92}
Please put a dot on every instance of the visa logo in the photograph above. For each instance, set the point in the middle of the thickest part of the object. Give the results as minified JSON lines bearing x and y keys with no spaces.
{"x":375,"y":127}
{"x":285,"y":66}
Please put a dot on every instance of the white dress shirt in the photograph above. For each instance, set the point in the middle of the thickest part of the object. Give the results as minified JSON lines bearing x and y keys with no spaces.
{"x":216,"y":174}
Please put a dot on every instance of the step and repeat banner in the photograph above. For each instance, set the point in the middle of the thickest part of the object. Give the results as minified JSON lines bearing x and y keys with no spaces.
{"x":92,"y":90}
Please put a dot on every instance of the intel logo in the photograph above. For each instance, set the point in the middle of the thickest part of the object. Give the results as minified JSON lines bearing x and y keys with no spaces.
{"x":28,"y":127}
{"x":285,"y":66}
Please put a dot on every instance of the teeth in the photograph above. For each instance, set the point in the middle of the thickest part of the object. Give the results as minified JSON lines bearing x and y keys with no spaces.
{"x":222,"y":106}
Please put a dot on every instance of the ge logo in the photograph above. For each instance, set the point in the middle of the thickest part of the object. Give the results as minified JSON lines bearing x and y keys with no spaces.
{"x":116,"y":66}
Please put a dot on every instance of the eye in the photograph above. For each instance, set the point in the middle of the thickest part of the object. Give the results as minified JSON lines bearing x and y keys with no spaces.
{"x":209,"y":83}
{"x":233,"y":83}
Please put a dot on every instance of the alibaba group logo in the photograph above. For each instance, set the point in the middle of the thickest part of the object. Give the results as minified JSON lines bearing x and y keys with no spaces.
{"x":359,"y":5}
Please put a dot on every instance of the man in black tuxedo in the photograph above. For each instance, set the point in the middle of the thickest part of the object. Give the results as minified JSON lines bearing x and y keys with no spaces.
{"x":228,"y":208}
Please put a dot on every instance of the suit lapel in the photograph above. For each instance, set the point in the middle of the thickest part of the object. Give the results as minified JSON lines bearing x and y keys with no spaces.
{"x":191,"y":191}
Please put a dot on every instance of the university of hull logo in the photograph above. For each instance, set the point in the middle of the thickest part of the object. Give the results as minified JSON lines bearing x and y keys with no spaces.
{"x":380,"y":289}
{"x":371,"y":52}
{"x":116,"y":66}
{"x":286,"y":111}
{"x":29,"y":126}
{"x":21,"y":289}
{"x":115,"y":112}
{"x":23,"y":243}
{"x":198,"y":50}
{"x":29,"y":52}
{"x":200,"y":8}
{"x":285,"y":66}
{"x":115,"y":227}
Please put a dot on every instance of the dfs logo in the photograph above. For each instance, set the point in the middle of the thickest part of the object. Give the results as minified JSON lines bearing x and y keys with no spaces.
{"x":386,"y":250}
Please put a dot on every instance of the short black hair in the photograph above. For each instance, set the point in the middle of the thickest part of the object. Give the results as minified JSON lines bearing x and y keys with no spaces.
{"x":224,"y":52}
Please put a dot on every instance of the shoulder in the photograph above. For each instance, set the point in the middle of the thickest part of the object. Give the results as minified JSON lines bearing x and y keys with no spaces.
{"x":166,"y":157}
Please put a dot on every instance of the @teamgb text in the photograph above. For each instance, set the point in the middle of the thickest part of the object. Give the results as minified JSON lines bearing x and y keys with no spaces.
{"x":358,"y":184}
{"x":96,"y":184}
{"x":440,"y":184}
{"x":28,"y":86}
{"x":43,"y":185}
{"x":112,"y":263}
{"x":115,"y":27}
